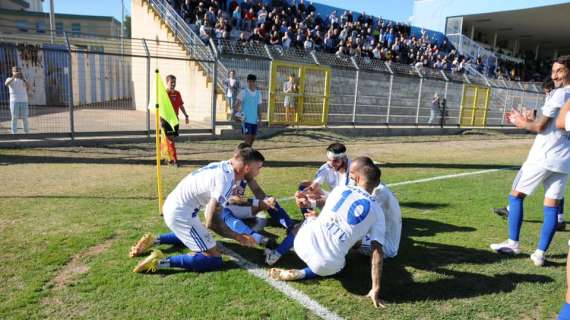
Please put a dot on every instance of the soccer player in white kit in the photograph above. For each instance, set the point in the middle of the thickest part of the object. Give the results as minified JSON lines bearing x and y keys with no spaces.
{"x":548,"y":162}
{"x":350,"y":213}
{"x":208,"y":187}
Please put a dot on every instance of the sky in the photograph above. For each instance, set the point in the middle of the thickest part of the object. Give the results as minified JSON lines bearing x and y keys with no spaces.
{"x":398,"y":10}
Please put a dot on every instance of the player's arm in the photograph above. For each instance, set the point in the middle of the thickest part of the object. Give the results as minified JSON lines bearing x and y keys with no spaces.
{"x":523,"y":122}
{"x":561,"y":119}
{"x":377,"y":263}
{"x":184,"y":112}
{"x":265,"y":201}
{"x":9,"y":81}
{"x":215,"y":223}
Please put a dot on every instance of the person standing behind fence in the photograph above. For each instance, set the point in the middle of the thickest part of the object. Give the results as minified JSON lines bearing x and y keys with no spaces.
{"x":443,"y":112}
{"x":249,"y":107}
{"x":232,"y":87}
{"x":434,"y":112}
{"x":290,"y":90}
{"x":177,"y":104}
{"x":18,"y":88}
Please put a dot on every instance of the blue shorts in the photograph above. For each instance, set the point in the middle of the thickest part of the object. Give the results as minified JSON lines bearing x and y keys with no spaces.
{"x":249,"y":129}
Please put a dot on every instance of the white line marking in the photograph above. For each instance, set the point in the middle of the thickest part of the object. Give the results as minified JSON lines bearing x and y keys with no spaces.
{"x":286,"y":289}
{"x":449,"y":176}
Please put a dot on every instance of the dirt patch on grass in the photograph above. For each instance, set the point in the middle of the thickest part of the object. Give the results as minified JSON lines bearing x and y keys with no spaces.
{"x":78,"y":265}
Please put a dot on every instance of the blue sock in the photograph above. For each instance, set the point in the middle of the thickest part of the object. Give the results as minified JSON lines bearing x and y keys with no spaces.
{"x":561,"y":211}
{"x":303,"y":210}
{"x":169,"y":238}
{"x":515,"y":217}
{"x":548,"y":227}
{"x":564,"y":312}
{"x":309,"y":274}
{"x":279,"y":215}
{"x":197,"y":263}
{"x":238,"y":226}
{"x":286,"y":245}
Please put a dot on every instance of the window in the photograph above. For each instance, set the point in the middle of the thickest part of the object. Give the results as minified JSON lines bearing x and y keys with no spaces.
{"x":22,"y":25}
{"x":76,"y":28}
{"x":41,"y":27}
{"x":59,"y":28}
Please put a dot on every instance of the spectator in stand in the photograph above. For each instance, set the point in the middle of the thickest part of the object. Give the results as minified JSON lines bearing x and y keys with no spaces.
{"x":434,"y":111}
{"x":249,"y":20}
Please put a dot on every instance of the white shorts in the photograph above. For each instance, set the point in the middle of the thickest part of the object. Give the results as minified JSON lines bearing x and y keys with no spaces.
{"x":188,"y":228}
{"x":530,"y":176}
{"x":306,"y":247}
{"x":241,"y":212}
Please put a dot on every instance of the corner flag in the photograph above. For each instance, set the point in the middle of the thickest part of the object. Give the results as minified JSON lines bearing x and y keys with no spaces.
{"x":166,"y":109}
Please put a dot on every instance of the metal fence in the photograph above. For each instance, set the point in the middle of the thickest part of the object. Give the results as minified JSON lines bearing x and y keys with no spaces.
{"x":83,"y":85}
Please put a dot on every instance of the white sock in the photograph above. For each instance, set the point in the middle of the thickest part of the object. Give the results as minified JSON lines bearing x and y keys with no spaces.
{"x":560,"y":217}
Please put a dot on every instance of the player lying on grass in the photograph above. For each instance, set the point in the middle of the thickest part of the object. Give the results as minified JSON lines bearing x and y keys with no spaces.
{"x":209,"y":186}
{"x":241,"y":209}
{"x":548,"y":163}
{"x":392,"y":215}
{"x":350,"y":213}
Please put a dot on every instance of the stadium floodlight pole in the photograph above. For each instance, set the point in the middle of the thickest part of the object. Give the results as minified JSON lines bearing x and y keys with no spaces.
{"x":51,"y":21}
{"x":122,"y":26}
{"x":157,"y":146}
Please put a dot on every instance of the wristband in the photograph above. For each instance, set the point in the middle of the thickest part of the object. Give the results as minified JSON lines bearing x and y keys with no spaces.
{"x":255,"y":202}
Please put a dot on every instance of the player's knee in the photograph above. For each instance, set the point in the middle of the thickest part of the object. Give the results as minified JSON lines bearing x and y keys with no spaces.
{"x":518,"y":194}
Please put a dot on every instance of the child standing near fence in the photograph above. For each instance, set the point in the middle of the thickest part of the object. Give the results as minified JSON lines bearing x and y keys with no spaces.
{"x":178,"y":105}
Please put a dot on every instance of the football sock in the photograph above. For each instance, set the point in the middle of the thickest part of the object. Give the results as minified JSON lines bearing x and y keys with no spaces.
{"x":238,"y":226}
{"x":279,"y":215}
{"x":286,"y":245}
{"x":197,"y":262}
{"x":308,"y":273}
{"x":564,"y":312}
{"x":561,"y":211}
{"x":168,"y":238}
{"x":548,"y":227}
{"x":515,"y":217}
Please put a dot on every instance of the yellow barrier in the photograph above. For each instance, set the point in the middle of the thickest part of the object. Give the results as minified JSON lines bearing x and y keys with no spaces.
{"x":474,"y":106}
{"x":311,"y":99}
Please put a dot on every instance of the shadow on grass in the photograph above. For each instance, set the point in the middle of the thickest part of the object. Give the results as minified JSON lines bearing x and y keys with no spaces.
{"x":8,"y":159}
{"x":423,"y":205}
{"x":432,"y":261}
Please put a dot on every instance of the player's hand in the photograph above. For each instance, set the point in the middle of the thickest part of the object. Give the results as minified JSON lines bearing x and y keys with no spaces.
{"x":517,"y":118}
{"x":301,"y":200}
{"x":529,"y":114}
{"x":374,"y":294}
{"x":187,"y":121}
{"x":246,"y":240}
{"x":311,"y":214}
{"x":270,"y":202}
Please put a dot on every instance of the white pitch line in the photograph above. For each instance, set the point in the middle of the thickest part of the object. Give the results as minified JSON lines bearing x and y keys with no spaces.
{"x":449,"y":176}
{"x":286,"y":289}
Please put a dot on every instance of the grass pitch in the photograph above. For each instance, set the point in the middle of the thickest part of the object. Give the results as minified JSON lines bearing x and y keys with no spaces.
{"x":69,"y":215}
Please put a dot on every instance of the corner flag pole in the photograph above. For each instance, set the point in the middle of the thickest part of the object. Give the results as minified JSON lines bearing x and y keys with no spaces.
{"x":157,"y":131}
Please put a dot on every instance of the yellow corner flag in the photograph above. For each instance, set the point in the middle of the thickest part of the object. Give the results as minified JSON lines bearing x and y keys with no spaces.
{"x":166,"y":109}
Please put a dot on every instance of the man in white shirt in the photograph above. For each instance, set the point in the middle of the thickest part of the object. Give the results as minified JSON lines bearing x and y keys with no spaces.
{"x":548,"y":162}
{"x":18,"y":88}
{"x":209,"y":187}
{"x":349,"y":214}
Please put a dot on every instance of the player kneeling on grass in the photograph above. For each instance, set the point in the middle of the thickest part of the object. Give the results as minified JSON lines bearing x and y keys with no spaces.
{"x":350,"y":213}
{"x":209,"y":186}
{"x":241,"y":209}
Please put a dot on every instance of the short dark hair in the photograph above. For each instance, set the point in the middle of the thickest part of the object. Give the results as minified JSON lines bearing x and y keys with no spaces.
{"x":249,"y":155}
{"x":242,"y":146}
{"x":251,"y":77}
{"x":336,"y":148}
{"x":565,"y":60}
{"x":368,"y":170}
{"x":170,"y":77}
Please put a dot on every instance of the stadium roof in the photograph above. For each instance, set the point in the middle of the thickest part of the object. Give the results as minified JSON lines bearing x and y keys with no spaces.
{"x":547,"y":26}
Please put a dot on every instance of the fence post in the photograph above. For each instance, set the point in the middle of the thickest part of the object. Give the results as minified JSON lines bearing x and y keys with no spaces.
{"x":70,"y":90}
{"x":419,"y":101}
{"x":214,"y":84}
{"x":356,"y":80}
{"x":389,"y":93}
{"x":147,"y":88}
{"x":505,"y":107}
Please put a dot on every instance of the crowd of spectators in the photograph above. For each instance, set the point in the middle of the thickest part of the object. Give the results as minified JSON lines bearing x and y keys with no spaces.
{"x":301,"y":26}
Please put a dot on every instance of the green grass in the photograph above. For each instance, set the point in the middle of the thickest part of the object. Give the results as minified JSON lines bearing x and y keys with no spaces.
{"x":60,"y":204}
